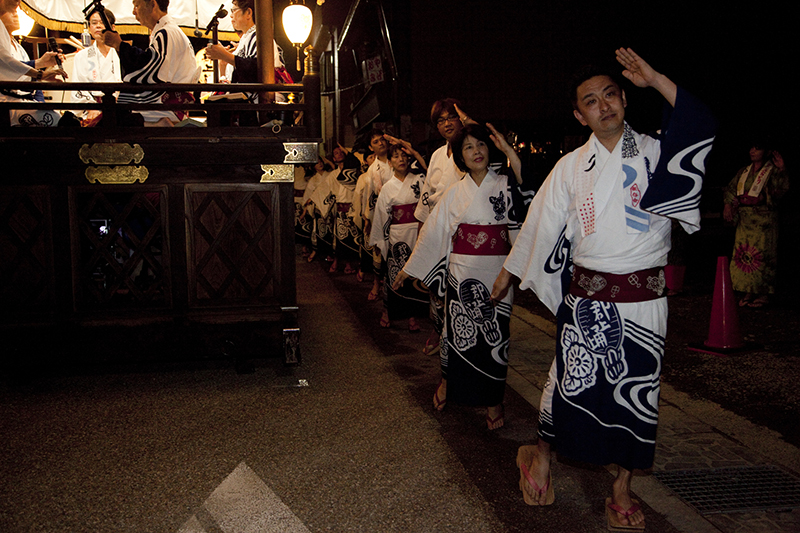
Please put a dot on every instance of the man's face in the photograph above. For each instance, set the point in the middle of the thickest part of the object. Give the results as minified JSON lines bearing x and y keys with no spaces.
{"x":448,"y":125}
{"x":338,"y":155}
{"x":378,"y":145}
{"x":601,"y":106}
{"x":8,"y":6}
{"x":143,"y":11}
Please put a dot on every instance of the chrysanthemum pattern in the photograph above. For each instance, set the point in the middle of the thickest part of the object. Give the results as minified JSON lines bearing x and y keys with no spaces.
{"x":747,"y":258}
{"x":580,"y":365}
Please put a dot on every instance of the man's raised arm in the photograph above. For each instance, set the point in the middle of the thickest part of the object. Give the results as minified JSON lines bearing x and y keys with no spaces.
{"x":641,"y":74}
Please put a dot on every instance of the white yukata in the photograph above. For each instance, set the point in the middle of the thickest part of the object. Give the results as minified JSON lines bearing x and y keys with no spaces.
{"x":609,"y":210}
{"x":169,"y":59}
{"x":13,"y":68}
{"x":378,"y":173}
{"x":303,"y":225}
{"x":394,"y":233}
{"x":442,"y":173}
{"x":319,"y":191}
{"x":90,"y":65}
{"x":474,"y":344}
{"x":348,"y":240}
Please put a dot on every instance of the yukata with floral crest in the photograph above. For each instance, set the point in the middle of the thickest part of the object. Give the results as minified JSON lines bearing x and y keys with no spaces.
{"x":461,"y":248}
{"x":593,"y":249}
{"x":394,"y":232}
{"x":755,"y":249}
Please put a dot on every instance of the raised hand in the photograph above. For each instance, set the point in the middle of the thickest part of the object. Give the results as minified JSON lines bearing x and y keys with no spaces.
{"x":641,"y":74}
{"x":501,"y":144}
{"x":636,"y":69}
{"x":777,"y":160}
{"x":463,"y":116}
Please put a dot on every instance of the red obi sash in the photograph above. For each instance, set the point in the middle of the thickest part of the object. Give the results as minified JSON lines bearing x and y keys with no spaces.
{"x":175,"y":97}
{"x":639,"y":286}
{"x":481,"y":239}
{"x":403,"y":214}
{"x":299,"y":193}
{"x":344,"y":207}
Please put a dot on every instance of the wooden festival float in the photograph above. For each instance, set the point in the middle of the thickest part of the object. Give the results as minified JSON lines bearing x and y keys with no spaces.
{"x":140,"y":241}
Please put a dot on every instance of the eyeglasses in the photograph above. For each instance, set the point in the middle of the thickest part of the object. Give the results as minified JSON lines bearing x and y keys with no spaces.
{"x":234,"y":9}
{"x":443,"y":120}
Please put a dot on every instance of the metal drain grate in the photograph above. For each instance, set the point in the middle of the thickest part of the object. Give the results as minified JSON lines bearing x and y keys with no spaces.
{"x":731,"y":490}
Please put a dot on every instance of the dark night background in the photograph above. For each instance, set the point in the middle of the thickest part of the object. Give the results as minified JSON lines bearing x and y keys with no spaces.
{"x":509,"y":61}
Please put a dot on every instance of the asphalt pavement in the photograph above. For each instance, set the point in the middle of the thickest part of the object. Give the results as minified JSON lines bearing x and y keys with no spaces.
{"x":348,"y":441}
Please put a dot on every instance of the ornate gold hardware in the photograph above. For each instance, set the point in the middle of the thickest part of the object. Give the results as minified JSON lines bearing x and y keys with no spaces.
{"x":111,"y":153}
{"x":116,"y":175}
{"x":299,"y":153}
{"x":277,"y":173}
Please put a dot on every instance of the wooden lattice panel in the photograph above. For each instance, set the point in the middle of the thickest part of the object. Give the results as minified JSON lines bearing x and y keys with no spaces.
{"x":121,"y":256}
{"x":26,"y":268}
{"x":233,"y":245}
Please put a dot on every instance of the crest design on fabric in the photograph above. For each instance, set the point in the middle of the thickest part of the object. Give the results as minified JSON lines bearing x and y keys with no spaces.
{"x":592,"y":285}
{"x":499,"y":205}
{"x":598,"y":336}
{"x":658,"y":283}
{"x":415,"y":188}
{"x":476,"y":239}
{"x":425,"y":199}
{"x":477,"y":312}
{"x":398,"y":256}
{"x":629,"y":148}
{"x":27,"y":120}
{"x":636,"y":195}
{"x":559,"y":256}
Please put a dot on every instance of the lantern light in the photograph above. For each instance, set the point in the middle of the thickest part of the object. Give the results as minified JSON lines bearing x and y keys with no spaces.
{"x":297,"y":20}
{"x":25,"y":23}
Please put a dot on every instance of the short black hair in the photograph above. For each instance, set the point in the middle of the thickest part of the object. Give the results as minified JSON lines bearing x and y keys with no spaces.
{"x":588,"y":72}
{"x":440,"y":106}
{"x":374,"y":132}
{"x":244,"y":5}
{"x":481,"y":133}
{"x":394,"y":148}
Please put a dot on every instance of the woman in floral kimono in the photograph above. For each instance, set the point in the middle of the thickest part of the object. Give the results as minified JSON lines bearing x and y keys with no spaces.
{"x":751,"y":200}
{"x":461,"y":250}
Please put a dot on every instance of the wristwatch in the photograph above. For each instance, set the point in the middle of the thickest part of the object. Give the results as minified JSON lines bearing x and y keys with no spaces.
{"x":37,"y":76}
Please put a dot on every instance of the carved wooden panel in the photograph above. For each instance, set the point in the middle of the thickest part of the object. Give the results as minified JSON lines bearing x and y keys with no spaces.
{"x":120,"y":248}
{"x":26,"y":251}
{"x":233,"y":245}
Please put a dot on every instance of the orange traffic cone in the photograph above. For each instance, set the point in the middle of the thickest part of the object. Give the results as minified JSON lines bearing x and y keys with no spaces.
{"x":723,"y":332}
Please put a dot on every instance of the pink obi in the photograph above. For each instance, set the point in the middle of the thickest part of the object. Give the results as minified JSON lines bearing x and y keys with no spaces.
{"x":480,"y":239}
{"x":403,"y":214}
{"x":343,"y":207}
{"x":639,"y":286}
